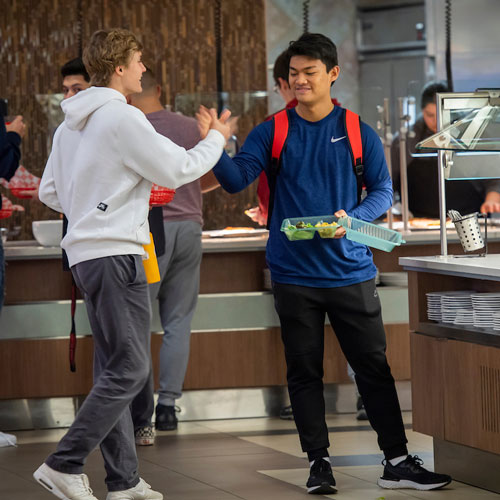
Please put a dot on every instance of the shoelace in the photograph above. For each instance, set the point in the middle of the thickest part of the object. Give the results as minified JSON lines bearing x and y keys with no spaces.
{"x":84,"y":485}
{"x":320,"y":465}
{"x":414,"y":461}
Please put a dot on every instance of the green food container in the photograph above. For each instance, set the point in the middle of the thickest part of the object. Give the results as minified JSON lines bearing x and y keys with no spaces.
{"x":356,"y":230}
{"x":294,"y":233}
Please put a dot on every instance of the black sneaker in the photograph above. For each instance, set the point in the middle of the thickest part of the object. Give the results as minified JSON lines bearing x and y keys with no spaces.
{"x":410,"y":474}
{"x":360,"y":407}
{"x":321,"y":480}
{"x":286,"y":413}
{"x":165,"y":418}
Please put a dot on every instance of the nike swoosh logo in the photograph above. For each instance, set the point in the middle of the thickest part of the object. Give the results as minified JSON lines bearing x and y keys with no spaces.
{"x":337,"y":139}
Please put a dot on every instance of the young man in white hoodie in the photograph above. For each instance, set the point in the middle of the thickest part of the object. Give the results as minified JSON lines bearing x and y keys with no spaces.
{"x":105,"y":156}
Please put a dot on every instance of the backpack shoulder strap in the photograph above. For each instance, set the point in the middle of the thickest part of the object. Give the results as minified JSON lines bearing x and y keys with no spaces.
{"x":353,"y":132}
{"x":280,"y":134}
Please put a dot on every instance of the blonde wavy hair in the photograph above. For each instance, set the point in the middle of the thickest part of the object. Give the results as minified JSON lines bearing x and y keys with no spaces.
{"x":106,"y":50}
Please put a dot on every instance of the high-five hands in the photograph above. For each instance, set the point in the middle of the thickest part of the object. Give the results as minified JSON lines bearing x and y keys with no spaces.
{"x":207,"y":119}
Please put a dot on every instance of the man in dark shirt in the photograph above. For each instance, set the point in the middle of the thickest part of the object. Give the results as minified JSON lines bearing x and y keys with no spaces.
{"x":10,"y":140}
{"x":327,"y":276}
{"x":423,"y":190}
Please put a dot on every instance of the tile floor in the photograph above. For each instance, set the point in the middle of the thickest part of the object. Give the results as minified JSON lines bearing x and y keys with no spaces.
{"x":250,"y":459}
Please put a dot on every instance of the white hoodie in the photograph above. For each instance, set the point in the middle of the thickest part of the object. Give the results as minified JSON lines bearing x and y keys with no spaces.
{"x":105,"y":156}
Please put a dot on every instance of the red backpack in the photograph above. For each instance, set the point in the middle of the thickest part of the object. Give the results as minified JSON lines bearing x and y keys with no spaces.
{"x":280,"y":135}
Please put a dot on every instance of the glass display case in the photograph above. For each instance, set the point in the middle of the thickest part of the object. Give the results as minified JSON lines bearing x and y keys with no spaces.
{"x":467,"y":143}
{"x":248,"y":109}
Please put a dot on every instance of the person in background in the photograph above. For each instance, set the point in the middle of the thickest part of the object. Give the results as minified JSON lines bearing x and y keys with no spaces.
{"x":422,"y":173}
{"x":179,"y":263}
{"x":259,"y":214}
{"x":10,"y":154}
{"x":327,"y":276}
{"x":75,"y":77}
{"x":104,"y":190}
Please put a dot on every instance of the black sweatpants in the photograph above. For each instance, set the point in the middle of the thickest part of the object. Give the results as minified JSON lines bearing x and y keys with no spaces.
{"x":355,"y":315}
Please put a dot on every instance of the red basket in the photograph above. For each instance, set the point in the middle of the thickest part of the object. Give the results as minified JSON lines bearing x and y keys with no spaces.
{"x":6,"y":208}
{"x":24,"y":184}
{"x":25,"y":193}
{"x":160,"y":195}
{"x":5,"y":213}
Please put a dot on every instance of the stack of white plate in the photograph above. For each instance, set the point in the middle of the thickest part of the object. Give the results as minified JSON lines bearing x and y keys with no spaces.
{"x":434,"y":306}
{"x":496,"y":321}
{"x":451,"y":302}
{"x":464,"y":317}
{"x":485,"y":305}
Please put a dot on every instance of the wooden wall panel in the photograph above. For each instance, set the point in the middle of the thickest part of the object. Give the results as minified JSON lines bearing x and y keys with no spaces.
{"x":232,"y":272}
{"x":39,"y":368}
{"x":472,"y":395}
{"x":428,"y":384}
{"x":398,"y":350}
{"x":37,"y":38}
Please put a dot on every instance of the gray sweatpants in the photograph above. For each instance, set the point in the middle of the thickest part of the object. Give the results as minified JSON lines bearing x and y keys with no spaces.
{"x":177,"y":295}
{"x":117,"y":300}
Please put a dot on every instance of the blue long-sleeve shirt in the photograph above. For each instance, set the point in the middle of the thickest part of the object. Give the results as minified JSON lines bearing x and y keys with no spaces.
{"x":316,"y":178}
{"x":9,"y":153}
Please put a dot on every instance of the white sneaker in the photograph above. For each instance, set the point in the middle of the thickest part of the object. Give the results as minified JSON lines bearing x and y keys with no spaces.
{"x":64,"y":486}
{"x":140,"y":492}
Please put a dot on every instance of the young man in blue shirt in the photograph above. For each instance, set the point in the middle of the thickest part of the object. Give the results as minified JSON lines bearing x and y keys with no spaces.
{"x":327,"y":276}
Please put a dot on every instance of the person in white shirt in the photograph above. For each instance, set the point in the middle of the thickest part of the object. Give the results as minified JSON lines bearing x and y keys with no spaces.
{"x":105,"y":156}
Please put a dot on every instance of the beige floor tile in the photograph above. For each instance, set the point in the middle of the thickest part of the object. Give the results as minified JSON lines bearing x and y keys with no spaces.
{"x":275,"y":423}
{"x":342,"y":443}
{"x":248,"y":425}
{"x":39,"y":436}
{"x":360,"y":483}
{"x":455,"y":491}
{"x":349,"y":487}
{"x":188,"y":428}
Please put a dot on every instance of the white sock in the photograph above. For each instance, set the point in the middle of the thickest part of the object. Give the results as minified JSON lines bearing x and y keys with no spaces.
{"x":324,"y":458}
{"x":397,"y":460}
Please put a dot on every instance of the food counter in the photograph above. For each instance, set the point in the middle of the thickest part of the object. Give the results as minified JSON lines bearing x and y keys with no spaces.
{"x":236,"y":337}
{"x":456,"y":370}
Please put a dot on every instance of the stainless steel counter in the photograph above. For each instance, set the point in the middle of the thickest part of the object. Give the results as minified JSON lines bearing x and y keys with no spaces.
{"x":487,"y":267}
{"x":32,"y":250}
{"x":17,"y":250}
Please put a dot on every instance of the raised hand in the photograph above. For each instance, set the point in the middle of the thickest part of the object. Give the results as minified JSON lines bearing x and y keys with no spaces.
{"x":17,"y":125}
{"x":221,"y":123}
{"x":204,"y":119}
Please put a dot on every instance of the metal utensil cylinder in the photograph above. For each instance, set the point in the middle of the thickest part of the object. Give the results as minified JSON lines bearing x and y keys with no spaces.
{"x":469,"y":232}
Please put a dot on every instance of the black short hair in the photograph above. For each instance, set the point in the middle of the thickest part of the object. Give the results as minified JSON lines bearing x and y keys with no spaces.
{"x":315,"y":46}
{"x":430,"y":90}
{"x":281,"y":67}
{"x":75,"y":67}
